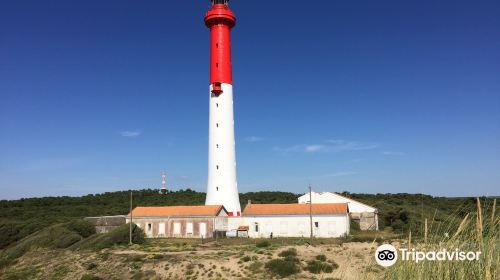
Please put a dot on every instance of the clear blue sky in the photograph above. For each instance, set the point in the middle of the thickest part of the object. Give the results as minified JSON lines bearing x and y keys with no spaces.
{"x":362,"y":96}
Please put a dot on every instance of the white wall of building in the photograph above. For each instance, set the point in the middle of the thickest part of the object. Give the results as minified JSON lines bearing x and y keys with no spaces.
{"x":329,"y":197}
{"x":293,"y":225}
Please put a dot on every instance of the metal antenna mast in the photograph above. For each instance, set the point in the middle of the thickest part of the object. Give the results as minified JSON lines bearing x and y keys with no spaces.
{"x":163,"y":183}
{"x":310,"y":212}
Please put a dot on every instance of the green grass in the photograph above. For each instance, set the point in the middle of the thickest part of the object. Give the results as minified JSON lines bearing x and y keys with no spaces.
{"x":477,"y":231}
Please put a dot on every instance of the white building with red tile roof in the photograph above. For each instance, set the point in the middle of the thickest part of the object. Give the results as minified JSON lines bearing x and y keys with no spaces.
{"x":198,"y":221}
{"x":293,"y":220}
{"x":366,"y":215}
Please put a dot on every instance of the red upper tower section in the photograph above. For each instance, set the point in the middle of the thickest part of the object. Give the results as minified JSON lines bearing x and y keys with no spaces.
{"x":220,"y":20}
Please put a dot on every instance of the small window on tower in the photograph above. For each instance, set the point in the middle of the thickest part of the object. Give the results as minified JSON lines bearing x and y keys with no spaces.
{"x":217,"y":188}
{"x":217,"y":105}
{"x":217,"y":124}
{"x":217,"y":166}
{"x":217,"y":65}
{"x":217,"y":45}
{"x":217,"y":145}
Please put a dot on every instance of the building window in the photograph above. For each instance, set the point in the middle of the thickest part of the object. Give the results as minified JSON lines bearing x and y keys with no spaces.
{"x":217,"y":145}
{"x":217,"y":167}
{"x":177,"y":228}
{"x":256,"y":227}
{"x":217,"y":188}
{"x":217,"y":105}
{"x":217,"y":124}
{"x":189,"y":228}
{"x":150,"y":226}
{"x":316,"y":224}
{"x":217,"y":65}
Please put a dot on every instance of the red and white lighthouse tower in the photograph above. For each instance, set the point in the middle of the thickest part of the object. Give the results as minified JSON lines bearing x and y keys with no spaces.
{"x":222,"y":188}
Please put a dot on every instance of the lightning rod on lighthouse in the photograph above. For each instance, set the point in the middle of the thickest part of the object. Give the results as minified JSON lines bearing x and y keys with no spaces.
{"x":222,"y":187}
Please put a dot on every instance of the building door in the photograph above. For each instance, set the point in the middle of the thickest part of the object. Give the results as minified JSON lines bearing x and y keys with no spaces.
{"x":149,"y":230}
{"x":203,"y":230}
{"x":161,"y":230}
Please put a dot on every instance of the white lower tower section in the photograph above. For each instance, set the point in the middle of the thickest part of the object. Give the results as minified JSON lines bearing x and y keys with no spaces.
{"x":222,"y":186}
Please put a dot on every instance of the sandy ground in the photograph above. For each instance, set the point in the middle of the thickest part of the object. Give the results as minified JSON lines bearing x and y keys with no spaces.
{"x":209,"y":261}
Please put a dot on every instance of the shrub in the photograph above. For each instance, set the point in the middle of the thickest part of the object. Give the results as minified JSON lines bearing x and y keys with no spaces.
{"x":316,"y":267}
{"x":90,"y":277}
{"x":321,"y":258}
{"x":263,"y":243}
{"x":354,"y":226}
{"x":118,"y":236}
{"x":158,"y":257}
{"x":255,"y":267}
{"x":245,"y":258}
{"x":90,"y":265}
{"x":333,"y":264}
{"x":289,"y":252}
{"x":282,"y":268}
{"x":56,"y":236}
{"x":82,"y":227}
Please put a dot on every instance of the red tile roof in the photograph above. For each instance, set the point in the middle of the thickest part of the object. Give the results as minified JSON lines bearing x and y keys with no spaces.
{"x":163,"y":211}
{"x":295,"y":209}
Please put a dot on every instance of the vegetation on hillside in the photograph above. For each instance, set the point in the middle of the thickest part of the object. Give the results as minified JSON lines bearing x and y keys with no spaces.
{"x":401,"y":212}
{"x":76,"y":234}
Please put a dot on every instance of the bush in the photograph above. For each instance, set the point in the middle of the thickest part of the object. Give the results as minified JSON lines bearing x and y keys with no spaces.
{"x":289,"y":252}
{"x":118,"y":236}
{"x":262,"y":244}
{"x":255,"y":267}
{"x":56,"y":236}
{"x":246,"y":259}
{"x":354,"y":226}
{"x":82,"y":227}
{"x":90,"y":265}
{"x":90,"y":277}
{"x":282,"y":268}
{"x":321,"y":258}
{"x":316,"y":267}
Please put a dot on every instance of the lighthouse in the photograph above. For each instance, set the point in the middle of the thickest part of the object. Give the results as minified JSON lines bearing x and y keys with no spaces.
{"x":222,"y":186}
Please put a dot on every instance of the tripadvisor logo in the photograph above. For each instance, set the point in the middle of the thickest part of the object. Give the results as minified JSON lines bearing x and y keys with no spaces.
{"x":386,"y":255}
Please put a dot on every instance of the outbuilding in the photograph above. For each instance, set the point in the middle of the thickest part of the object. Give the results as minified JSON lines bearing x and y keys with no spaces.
{"x":201,"y":221}
{"x":293,"y":220}
{"x":365,"y":215}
